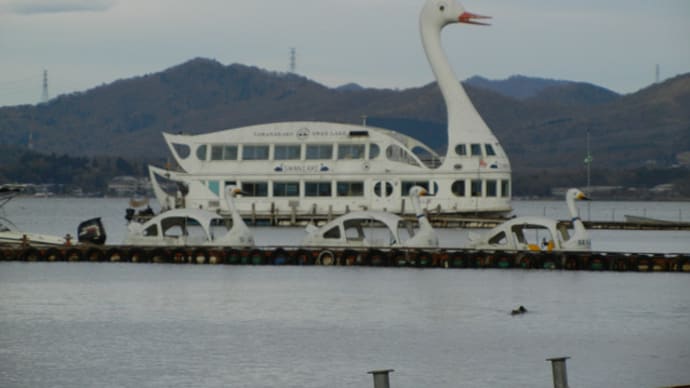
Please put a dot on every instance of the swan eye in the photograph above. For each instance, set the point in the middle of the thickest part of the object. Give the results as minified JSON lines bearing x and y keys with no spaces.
{"x":442,"y":8}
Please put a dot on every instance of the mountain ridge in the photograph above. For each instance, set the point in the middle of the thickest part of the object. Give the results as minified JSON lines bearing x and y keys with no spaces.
{"x":545,"y":129}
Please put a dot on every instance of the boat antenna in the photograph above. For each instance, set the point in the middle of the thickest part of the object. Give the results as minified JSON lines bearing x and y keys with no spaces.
{"x":364,"y":121}
{"x":588,"y":164}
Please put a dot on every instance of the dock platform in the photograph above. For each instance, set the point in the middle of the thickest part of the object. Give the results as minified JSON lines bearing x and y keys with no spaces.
{"x":370,"y":257}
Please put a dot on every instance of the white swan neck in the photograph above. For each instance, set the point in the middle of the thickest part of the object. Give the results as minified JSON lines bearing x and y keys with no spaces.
{"x":464,"y":122}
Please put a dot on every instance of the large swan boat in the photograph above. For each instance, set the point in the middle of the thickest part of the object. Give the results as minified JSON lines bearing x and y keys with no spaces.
{"x":311,"y":169}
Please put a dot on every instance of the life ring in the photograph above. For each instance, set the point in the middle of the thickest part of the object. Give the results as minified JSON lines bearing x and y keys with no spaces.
{"x":256,"y":257}
{"x":351,"y":257}
{"x":137,"y":255}
{"x":550,"y":261}
{"x":54,"y":255}
{"x":597,"y":263}
{"x":159,"y":255}
{"x":215,"y":257}
{"x":525,"y":261}
{"x":572,"y":263}
{"x":399,"y":258}
{"x":424,"y":259}
{"x":200,"y":256}
{"x":643,"y":264}
{"x":94,"y":254}
{"x":232,"y":256}
{"x":31,"y":254}
{"x":620,"y":263}
{"x":304,"y":257}
{"x":458,"y":260}
{"x":503,"y":262}
{"x":73,"y":255}
{"x":659,"y":264}
{"x":684,"y":264}
{"x":484,"y":260}
{"x":113,"y":255}
{"x":375,"y":258}
{"x":280,"y":257}
{"x":326,"y":258}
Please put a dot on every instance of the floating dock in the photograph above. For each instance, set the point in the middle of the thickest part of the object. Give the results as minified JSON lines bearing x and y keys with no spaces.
{"x":370,"y":257}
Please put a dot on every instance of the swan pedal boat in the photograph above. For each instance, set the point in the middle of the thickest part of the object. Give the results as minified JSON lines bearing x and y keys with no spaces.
{"x":192,"y":227}
{"x":362,"y":229}
{"x":521,"y":233}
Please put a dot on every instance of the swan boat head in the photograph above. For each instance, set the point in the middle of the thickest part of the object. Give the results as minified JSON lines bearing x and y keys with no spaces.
{"x":466,"y":128}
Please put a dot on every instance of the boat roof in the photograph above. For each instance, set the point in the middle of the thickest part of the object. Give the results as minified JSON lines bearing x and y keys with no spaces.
{"x":211,"y":137}
{"x":529,"y":220}
{"x":204,"y":217}
{"x":390,"y":220}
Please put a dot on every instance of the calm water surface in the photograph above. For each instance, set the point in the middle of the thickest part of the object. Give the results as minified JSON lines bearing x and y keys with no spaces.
{"x":142,"y":325}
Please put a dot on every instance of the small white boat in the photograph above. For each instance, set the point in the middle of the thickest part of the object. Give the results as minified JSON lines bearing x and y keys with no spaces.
{"x":375,"y":229}
{"x":538,"y":233}
{"x":11,"y":235}
{"x":192,"y":227}
{"x":88,"y":232}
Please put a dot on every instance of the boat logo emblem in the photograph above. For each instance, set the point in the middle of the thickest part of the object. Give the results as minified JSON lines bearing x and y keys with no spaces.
{"x":302,"y":133}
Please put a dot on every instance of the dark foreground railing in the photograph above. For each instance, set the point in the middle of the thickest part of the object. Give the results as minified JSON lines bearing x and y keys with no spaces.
{"x":370,"y":257}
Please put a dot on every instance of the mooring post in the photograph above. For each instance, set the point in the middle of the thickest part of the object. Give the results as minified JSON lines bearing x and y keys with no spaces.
{"x":381,"y":378}
{"x":560,"y":375}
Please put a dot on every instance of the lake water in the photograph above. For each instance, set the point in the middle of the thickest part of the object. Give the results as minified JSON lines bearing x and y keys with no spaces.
{"x":148,"y":325}
{"x":156,"y":325}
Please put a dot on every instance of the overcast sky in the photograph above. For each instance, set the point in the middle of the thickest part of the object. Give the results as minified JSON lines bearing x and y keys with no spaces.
{"x":375,"y":43}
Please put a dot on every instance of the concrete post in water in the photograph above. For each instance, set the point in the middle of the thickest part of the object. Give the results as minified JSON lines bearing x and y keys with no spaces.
{"x":560,"y":375}
{"x":381,"y":378}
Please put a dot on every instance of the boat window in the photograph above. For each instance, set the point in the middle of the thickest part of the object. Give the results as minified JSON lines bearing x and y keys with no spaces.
{"x":255,"y":189}
{"x":319,"y":152}
{"x":383,"y":189}
{"x":216,"y":152}
{"x":182,"y":150}
{"x":201,"y":152}
{"x":151,"y":230}
{"x":317,"y":189}
{"x":426,"y":156}
{"x":224,"y":152}
{"x":334,"y":232}
{"x":407,"y":185}
{"x":489,"y":150}
{"x":374,"y":151}
{"x":350,"y":189}
{"x":458,"y":188}
{"x":255,"y":152}
{"x":476,"y":187}
{"x":461,"y":149}
{"x":499,"y":239}
{"x":214,"y":186}
{"x":286,"y":189}
{"x":354,"y":230}
{"x":476,"y":149}
{"x":491,"y":188}
{"x":287,"y":152}
{"x":505,"y":188}
{"x":396,"y":153}
{"x":350,"y":151}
